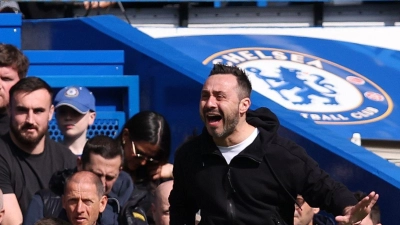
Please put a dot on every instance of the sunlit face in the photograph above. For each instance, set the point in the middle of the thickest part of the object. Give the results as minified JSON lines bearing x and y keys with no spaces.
{"x":140,"y":153}
{"x":160,"y":210}
{"x":71,"y":123}
{"x":219,"y":105}
{"x":8,"y":77}
{"x":106,"y":169}
{"x":82,"y":203}
{"x":304,"y":216}
{"x":30,"y":114}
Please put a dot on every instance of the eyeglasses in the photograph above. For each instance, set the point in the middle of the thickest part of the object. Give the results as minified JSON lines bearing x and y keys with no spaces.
{"x":141,"y":156}
{"x":299,"y":203}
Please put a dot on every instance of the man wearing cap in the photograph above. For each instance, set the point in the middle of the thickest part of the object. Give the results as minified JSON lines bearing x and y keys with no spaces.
{"x":75,"y":112}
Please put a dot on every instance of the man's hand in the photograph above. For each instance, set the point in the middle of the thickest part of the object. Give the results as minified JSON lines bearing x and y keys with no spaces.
{"x":161,"y":171}
{"x":355,"y":214}
{"x":97,"y":4}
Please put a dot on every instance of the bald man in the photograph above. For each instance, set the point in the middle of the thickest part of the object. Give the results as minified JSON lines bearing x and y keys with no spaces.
{"x":1,"y":206}
{"x":84,"y":198}
{"x":160,"y":206}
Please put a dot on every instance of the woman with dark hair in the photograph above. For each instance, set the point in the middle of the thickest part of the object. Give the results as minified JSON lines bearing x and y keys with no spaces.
{"x":146,"y":142}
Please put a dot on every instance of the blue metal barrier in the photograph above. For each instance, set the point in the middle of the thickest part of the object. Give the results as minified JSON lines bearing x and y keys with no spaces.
{"x":106,"y":123}
{"x":75,"y":62}
{"x":10,"y":29}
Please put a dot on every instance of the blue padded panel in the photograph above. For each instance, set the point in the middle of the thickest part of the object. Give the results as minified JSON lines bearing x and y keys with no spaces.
{"x":75,"y":62}
{"x":10,"y":29}
{"x":94,"y":70}
{"x":106,"y":123}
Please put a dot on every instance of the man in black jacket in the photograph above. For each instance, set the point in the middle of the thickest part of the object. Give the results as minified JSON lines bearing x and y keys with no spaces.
{"x":239,"y":171}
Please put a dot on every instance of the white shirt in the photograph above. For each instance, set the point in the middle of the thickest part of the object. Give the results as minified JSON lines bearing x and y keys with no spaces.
{"x":231,"y":151}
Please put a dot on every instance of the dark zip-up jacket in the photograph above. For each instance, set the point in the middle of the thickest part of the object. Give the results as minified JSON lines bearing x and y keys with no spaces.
{"x":259,"y":185}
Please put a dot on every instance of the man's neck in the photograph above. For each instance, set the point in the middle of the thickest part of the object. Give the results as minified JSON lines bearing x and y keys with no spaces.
{"x":31,"y":149}
{"x":3,"y":111}
{"x":243,"y":130}
{"x":76,"y":144}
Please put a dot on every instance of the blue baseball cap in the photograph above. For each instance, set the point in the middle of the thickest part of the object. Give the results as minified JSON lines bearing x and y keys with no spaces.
{"x":76,"y":97}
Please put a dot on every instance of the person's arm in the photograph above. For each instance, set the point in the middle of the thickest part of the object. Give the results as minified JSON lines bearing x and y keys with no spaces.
{"x":182,"y":209}
{"x":13,"y":214}
{"x":162,"y":171}
{"x":35,"y":210}
{"x":355,"y":214}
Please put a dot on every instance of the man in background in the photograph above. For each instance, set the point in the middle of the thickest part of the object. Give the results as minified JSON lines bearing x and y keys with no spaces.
{"x":84,"y":198}
{"x":1,"y":206}
{"x":304,"y":214}
{"x":13,"y":67}
{"x":28,"y":156}
{"x":160,"y":206}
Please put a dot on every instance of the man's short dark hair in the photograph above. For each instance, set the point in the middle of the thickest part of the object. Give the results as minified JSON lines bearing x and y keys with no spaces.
{"x":241,"y":77}
{"x":375,"y":211}
{"x":29,"y":85}
{"x":104,"y":146}
{"x":13,"y":57}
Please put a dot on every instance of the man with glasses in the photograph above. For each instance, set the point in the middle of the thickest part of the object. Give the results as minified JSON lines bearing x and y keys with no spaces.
{"x":102,"y":156}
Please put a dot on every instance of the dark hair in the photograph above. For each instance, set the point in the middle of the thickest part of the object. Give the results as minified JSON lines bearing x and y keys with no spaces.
{"x":150,"y":127}
{"x":12,"y":56}
{"x":93,"y":179}
{"x":51,"y":221}
{"x":242,"y":79}
{"x":57,"y":180}
{"x":375,"y":213}
{"x":29,"y":85}
{"x":102,"y":145}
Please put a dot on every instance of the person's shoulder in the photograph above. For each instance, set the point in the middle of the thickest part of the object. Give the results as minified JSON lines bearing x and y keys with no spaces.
{"x":60,"y":153}
{"x":5,"y":147}
{"x":193,"y":144}
{"x":58,"y":147}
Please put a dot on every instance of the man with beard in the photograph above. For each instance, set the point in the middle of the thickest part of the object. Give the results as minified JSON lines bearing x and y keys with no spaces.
{"x":240,"y":171}
{"x":13,"y":67}
{"x":28,"y":156}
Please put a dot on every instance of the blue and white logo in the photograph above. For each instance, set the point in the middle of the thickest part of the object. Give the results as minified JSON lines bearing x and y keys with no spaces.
{"x":318,"y":89}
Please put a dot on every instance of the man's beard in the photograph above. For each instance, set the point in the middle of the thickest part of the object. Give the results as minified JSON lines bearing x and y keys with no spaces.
{"x":29,"y":140}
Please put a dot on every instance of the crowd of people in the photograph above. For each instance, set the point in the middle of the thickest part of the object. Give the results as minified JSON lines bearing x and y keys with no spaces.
{"x":237,"y":171}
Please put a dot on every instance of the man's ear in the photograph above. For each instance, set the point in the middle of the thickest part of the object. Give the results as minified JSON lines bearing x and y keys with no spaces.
{"x":51,"y":112}
{"x":79,"y":164}
{"x":315,"y":210}
{"x":153,"y":209}
{"x":244,"y":105}
{"x":63,"y":201}
{"x":92,"y":117}
{"x":103,"y":203}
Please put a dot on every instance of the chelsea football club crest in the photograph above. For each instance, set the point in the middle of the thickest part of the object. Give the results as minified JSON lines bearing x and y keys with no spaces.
{"x":318,"y":89}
